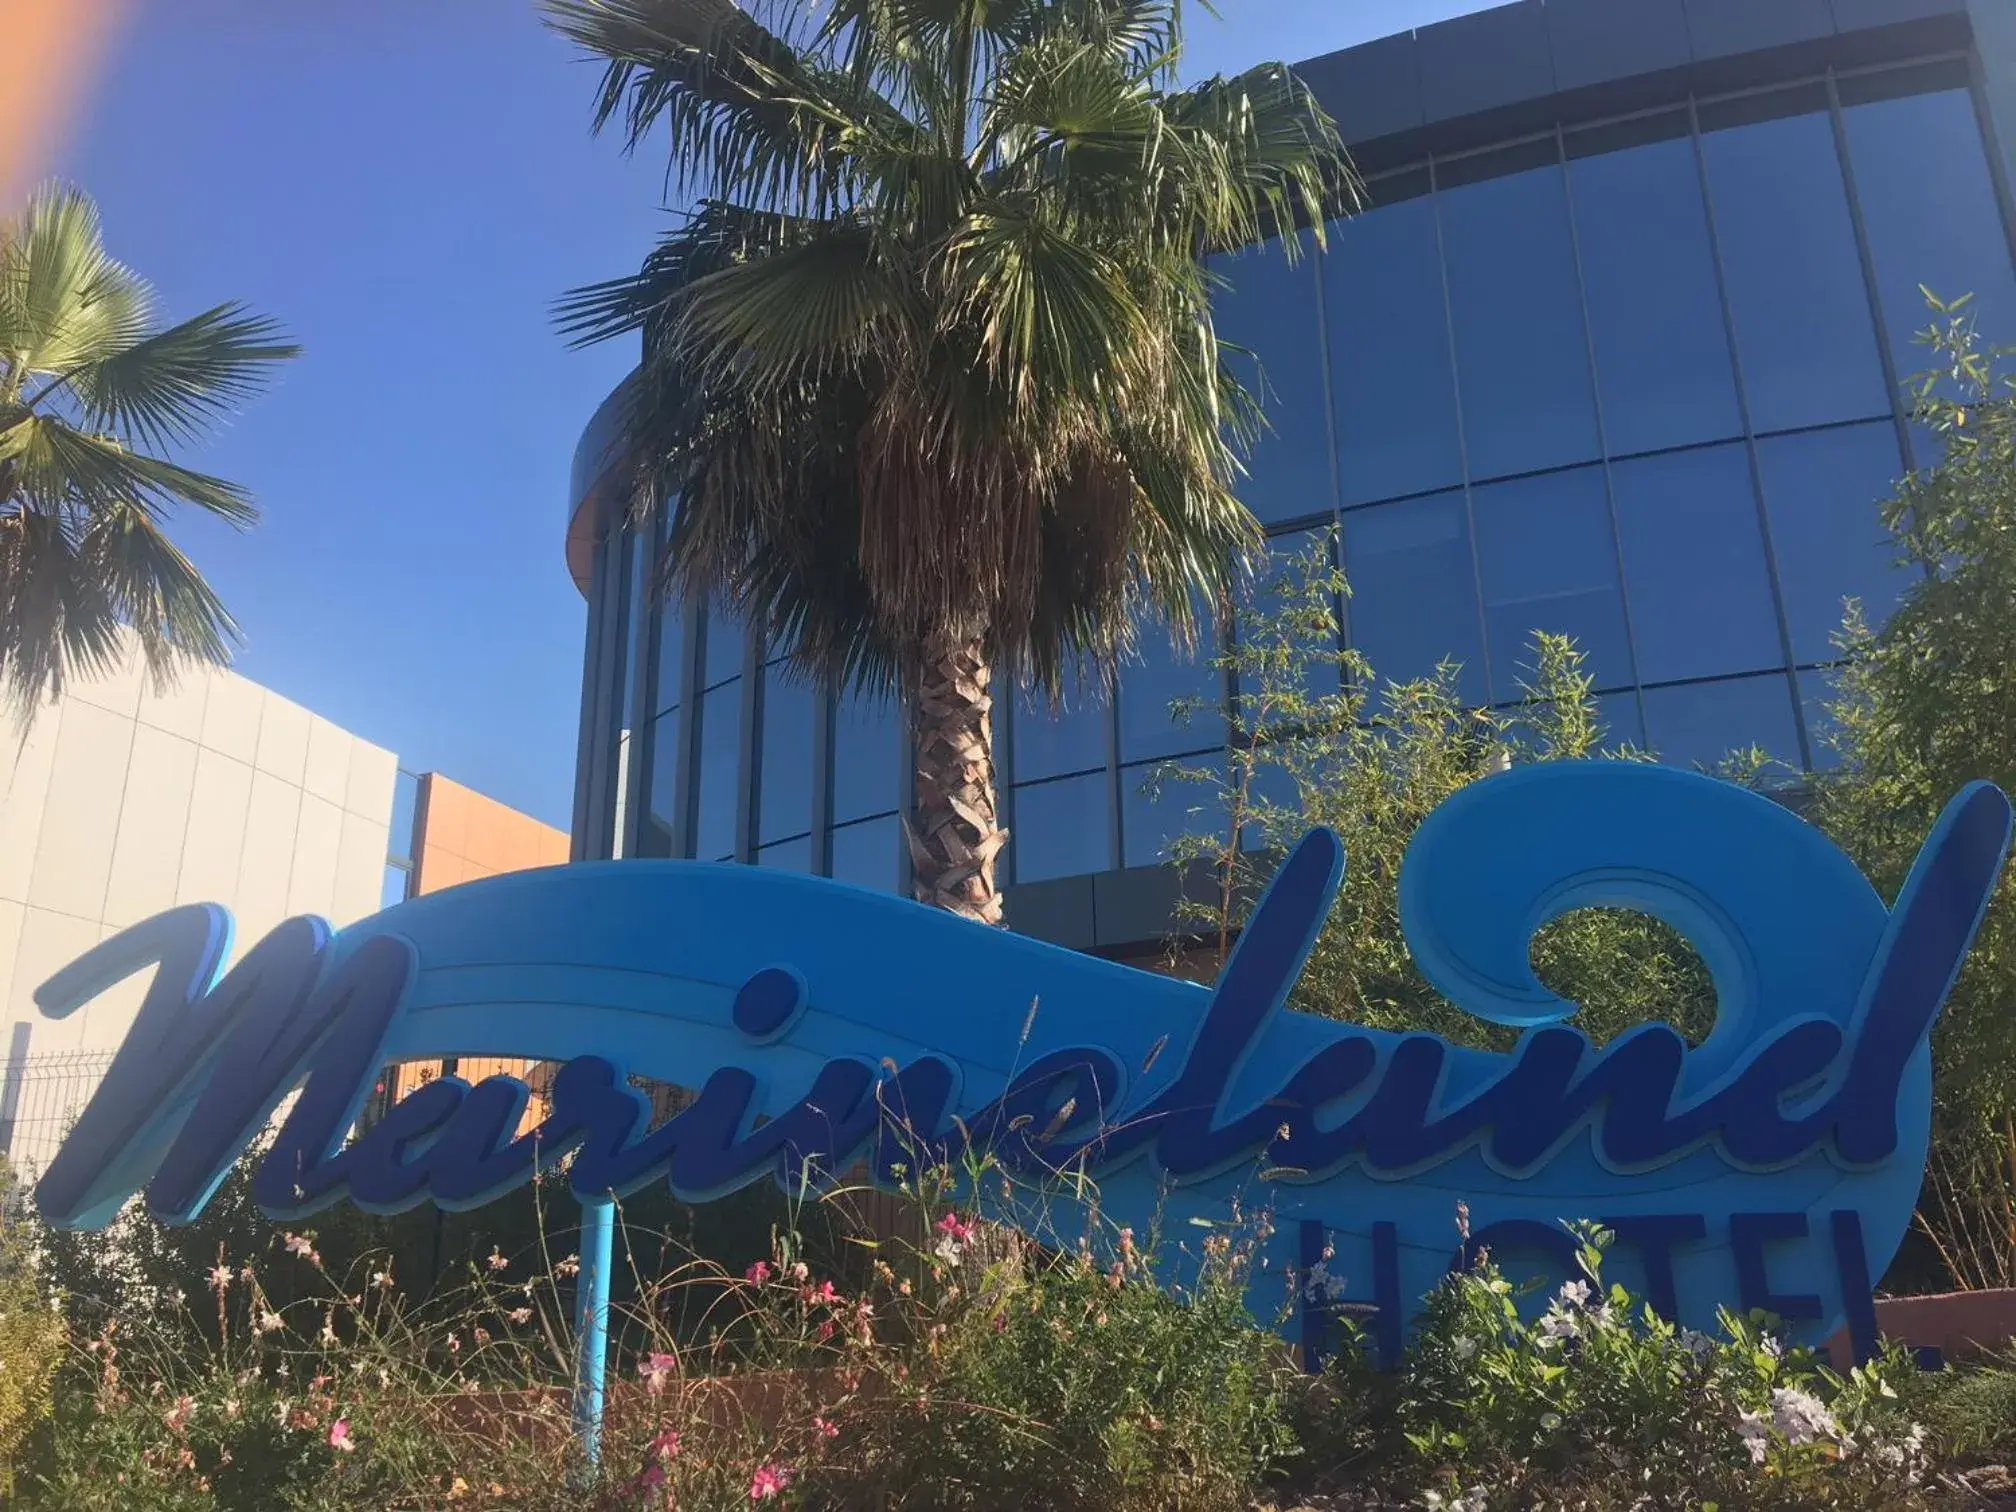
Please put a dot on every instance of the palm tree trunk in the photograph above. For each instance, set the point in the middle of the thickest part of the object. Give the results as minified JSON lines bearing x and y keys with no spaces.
{"x":954,"y":827}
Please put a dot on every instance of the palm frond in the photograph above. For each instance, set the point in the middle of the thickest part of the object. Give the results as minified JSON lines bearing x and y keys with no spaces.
{"x":168,"y":387}
{"x":747,"y":114}
{"x":63,"y":301}
{"x":935,"y":354}
{"x":68,"y":597}
{"x":60,"y":470}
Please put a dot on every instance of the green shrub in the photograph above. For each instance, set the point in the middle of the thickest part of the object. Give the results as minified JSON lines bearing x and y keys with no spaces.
{"x":968,"y":1371}
{"x":1601,"y":1400}
{"x":1076,"y":1373}
{"x":1972,"y":1410}
{"x":32,"y":1346}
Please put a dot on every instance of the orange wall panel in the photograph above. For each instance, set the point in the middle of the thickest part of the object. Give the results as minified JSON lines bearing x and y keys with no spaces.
{"x":463,"y":837}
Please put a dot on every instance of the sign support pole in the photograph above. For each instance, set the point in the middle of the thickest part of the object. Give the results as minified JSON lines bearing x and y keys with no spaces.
{"x":598,"y":1231}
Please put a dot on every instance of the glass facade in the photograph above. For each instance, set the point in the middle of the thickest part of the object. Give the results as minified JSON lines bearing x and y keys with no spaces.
{"x":1633,"y":380}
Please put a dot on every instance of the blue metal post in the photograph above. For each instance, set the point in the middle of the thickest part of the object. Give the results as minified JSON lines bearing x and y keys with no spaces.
{"x":598,"y":1232}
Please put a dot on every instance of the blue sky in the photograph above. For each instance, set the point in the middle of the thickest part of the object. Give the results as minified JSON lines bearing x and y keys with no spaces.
{"x":407,"y":186}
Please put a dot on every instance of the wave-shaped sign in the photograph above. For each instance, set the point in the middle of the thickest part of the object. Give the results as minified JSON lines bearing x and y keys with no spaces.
{"x":1774,"y":1165}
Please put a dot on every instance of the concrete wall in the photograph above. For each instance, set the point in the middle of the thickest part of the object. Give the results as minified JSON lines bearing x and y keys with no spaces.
{"x":121,"y":801}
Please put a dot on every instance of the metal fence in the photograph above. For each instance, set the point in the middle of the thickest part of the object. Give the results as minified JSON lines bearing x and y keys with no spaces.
{"x":40,"y":1097}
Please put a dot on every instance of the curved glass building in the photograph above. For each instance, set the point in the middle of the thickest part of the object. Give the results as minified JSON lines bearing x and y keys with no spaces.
{"x":1615,"y":350}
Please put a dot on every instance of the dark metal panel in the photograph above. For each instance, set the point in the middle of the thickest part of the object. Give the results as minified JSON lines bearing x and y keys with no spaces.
{"x":1060,"y":912}
{"x":1720,"y":28}
{"x":1598,"y":41}
{"x":1373,"y":90}
{"x":1483,"y":61}
{"x":1856,"y":15}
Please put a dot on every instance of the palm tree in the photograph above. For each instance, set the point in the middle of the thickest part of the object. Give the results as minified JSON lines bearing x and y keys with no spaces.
{"x":92,"y":390}
{"x":929,"y":365}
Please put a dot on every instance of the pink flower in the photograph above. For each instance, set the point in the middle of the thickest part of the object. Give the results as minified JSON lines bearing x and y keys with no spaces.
{"x":769,"y":1481}
{"x":823,"y":1292}
{"x":497,"y":1262}
{"x":825,"y":1429}
{"x":339,"y":1435}
{"x":302,"y":1245}
{"x":656,"y":1369}
{"x":957,"y":1229}
{"x":520,"y":1315}
{"x":666,"y":1445}
{"x":1000,"y":1322}
{"x":758,"y":1273}
{"x":652,"y":1478}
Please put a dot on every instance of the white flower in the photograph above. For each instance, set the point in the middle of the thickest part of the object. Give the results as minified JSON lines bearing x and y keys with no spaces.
{"x":1463,"y":1347}
{"x":1802,"y":1418}
{"x":1559,"y":1325}
{"x":1695,"y":1342}
{"x":1549,"y":1421}
{"x":1772,"y":1347}
{"x":269,"y":1322}
{"x":1575,"y":1293}
{"x":1756,"y":1435}
{"x":1473,"y":1500}
{"x":947,"y":1249}
{"x":1320,"y":1285}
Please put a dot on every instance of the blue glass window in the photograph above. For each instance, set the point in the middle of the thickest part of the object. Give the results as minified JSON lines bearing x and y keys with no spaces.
{"x":1803,"y":330}
{"x":867,"y":855}
{"x":1821,"y":491}
{"x":1547,"y":560}
{"x":867,"y":757}
{"x":1061,"y":829}
{"x":1277,"y":588}
{"x":1699,"y":724}
{"x":1150,"y":826}
{"x":1389,"y":354}
{"x":1655,"y":314}
{"x":662,"y":792}
{"x":1163,"y":675}
{"x":727,"y":643}
{"x":637,"y":559}
{"x":1622,"y":724}
{"x":784,"y":801}
{"x":715,"y":819}
{"x":788,"y":855}
{"x":396,"y":887}
{"x":1269,"y":309}
{"x":1922,"y":174}
{"x":671,"y":669}
{"x":1817,"y":693}
{"x":1074,"y":738}
{"x":1269,"y":785}
{"x":1694,"y":565}
{"x":1414,"y":590}
{"x":1521,"y":355}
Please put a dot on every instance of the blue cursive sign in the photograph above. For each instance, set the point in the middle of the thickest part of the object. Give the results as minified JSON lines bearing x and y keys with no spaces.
{"x":1774,"y":1165}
